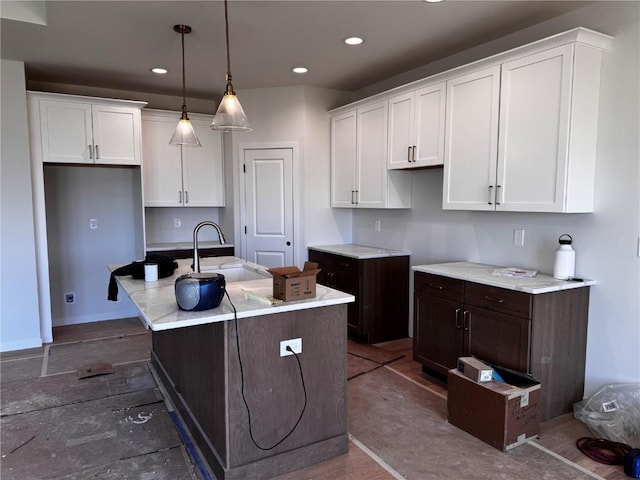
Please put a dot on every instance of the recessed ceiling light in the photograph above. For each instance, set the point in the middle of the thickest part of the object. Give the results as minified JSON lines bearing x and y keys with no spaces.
{"x":353,"y":41}
{"x":433,"y":1}
{"x":300,"y":69}
{"x":159,"y":71}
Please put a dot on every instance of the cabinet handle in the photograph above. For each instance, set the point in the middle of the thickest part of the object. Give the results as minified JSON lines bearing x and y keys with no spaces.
{"x":413,"y":154}
{"x":490,"y":194}
{"x":352,"y":197}
{"x":409,"y":154}
{"x":497,"y":193}
{"x":90,"y":152}
{"x":97,"y":153}
{"x":466,"y":323}
{"x":180,"y":196}
{"x":357,"y":197}
{"x":439,"y":287}
{"x":186,"y":196}
{"x":494,"y":299}
{"x":457,"y":316}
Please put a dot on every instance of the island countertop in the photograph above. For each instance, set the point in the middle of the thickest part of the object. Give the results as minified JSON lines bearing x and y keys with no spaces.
{"x":480,"y":273}
{"x":156,"y":301}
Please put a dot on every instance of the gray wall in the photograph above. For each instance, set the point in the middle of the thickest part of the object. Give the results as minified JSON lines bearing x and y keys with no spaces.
{"x":19,"y":315}
{"x":79,"y":255}
{"x":606,"y":241}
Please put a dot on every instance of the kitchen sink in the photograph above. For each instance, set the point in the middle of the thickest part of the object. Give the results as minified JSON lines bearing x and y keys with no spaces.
{"x":237,"y":273}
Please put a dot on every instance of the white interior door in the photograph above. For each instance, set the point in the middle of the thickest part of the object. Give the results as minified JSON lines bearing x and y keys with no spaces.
{"x":268,"y":179}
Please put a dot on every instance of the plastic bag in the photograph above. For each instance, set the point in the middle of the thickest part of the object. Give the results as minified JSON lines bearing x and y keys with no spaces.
{"x":613,"y":413}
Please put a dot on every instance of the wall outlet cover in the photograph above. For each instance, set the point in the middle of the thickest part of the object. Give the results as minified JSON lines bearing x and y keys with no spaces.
{"x":294,"y":343}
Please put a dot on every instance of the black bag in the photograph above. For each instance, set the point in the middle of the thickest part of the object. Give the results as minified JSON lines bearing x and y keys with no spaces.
{"x":166,"y":267}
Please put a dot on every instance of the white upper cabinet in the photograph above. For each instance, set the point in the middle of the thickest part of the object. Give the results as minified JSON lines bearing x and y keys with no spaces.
{"x":75,"y":129}
{"x":521,"y":134}
{"x":175,"y":175}
{"x":343,"y":159}
{"x":515,"y":132}
{"x":472,"y":140}
{"x":416,"y":128}
{"x":359,"y":175}
{"x":534,"y":155}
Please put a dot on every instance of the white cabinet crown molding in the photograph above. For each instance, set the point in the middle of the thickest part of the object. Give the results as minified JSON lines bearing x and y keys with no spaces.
{"x":84,"y":99}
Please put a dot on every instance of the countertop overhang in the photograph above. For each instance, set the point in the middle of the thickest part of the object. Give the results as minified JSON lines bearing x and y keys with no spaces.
{"x":481,"y":273}
{"x":157,"y":306}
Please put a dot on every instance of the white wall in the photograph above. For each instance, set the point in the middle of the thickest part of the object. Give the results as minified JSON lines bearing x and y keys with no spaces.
{"x":606,"y":241}
{"x":160,"y":225}
{"x":293,"y":115}
{"x":19,"y":315}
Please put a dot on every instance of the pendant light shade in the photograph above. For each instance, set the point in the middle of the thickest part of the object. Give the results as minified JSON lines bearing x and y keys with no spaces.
{"x":184,"y":133}
{"x":230,"y":116}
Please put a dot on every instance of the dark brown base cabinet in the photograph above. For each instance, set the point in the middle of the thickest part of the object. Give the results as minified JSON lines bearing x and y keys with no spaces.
{"x":543,"y":334}
{"x":381,"y":287}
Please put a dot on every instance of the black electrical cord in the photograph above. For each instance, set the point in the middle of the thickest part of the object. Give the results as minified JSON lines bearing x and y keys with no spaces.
{"x":304,"y":388}
{"x":602,"y":450}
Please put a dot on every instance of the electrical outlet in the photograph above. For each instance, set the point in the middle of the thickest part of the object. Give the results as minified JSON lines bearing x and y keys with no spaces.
{"x":69,"y":297}
{"x":518,"y":236}
{"x":376,"y":225}
{"x":294,"y":343}
{"x":93,"y":223}
{"x":177,"y":222}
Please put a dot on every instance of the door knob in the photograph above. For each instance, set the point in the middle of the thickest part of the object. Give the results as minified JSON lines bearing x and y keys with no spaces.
{"x":288,"y":244}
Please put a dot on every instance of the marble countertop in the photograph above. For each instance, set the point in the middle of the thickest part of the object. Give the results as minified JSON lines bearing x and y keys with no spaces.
{"x":481,"y":273}
{"x":157,"y":247}
{"x":156,"y":301}
{"x":361,"y":252}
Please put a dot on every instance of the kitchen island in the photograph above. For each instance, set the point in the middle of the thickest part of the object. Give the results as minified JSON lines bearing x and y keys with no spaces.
{"x":195,"y":356}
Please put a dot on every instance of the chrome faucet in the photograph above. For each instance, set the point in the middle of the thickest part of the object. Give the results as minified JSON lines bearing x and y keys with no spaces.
{"x":196,"y":257}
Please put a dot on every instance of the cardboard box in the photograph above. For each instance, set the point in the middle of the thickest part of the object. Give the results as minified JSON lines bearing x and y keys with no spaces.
{"x":504,"y":415}
{"x":474,"y":369}
{"x":289,"y":283}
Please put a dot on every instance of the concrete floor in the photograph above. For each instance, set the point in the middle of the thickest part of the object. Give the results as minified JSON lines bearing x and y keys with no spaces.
{"x":55,"y":425}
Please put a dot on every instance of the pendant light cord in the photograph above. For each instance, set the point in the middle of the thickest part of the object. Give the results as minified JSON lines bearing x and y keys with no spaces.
{"x":184,"y":94}
{"x":226,"y":28}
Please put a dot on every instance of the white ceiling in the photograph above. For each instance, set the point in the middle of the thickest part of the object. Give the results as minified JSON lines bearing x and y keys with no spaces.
{"x":113,"y":44}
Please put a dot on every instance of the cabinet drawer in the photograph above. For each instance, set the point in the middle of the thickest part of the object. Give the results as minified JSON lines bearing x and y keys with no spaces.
{"x":444,"y":287}
{"x":498,"y":299}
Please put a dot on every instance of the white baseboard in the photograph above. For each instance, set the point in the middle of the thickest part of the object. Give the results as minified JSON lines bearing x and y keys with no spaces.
{"x":20,"y":344}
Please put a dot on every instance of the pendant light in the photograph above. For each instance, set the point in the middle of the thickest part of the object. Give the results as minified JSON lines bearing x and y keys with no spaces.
{"x":184,"y":133}
{"x":230,"y":115}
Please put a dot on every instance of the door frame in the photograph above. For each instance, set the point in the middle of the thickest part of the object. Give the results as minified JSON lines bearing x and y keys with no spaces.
{"x":240,"y":205}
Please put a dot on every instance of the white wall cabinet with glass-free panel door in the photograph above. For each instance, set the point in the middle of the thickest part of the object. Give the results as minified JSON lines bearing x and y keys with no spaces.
{"x":521,"y":135}
{"x":471,"y":147}
{"x":359,"y":175}
{"x":175,"y":175}
{"x":88,"y":130}
{"x":416,"y":128}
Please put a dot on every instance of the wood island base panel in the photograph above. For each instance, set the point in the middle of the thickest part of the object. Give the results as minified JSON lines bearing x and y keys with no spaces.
{"x":199,"y":368}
